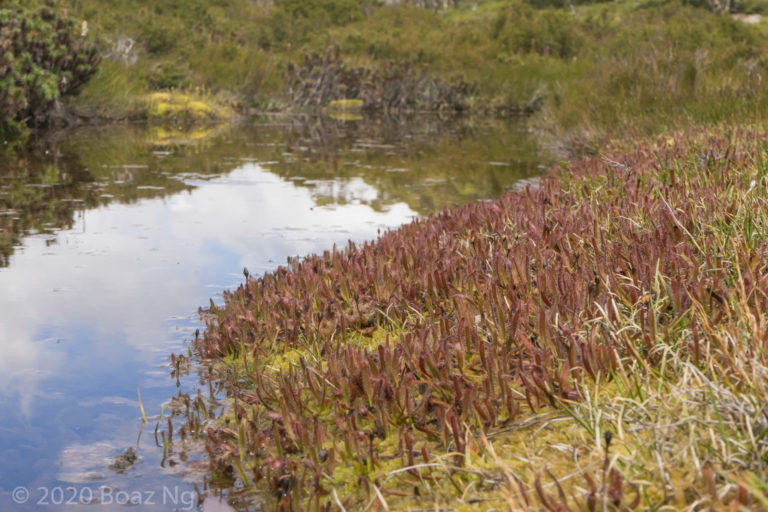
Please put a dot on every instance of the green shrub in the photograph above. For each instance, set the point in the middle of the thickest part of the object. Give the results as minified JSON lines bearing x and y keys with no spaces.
{"x":42,"y":60}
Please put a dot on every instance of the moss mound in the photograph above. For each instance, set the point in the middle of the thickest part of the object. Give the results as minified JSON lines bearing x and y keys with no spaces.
{"x":182,"y":108}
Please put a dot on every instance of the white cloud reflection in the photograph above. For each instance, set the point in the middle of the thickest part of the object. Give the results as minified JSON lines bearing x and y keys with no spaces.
{"x":109,"y":289}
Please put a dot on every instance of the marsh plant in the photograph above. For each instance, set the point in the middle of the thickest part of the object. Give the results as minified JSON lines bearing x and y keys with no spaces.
{"x":597,"y":342}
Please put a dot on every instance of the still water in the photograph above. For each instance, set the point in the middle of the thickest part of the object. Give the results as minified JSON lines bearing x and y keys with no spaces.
{"x":111,"y":238}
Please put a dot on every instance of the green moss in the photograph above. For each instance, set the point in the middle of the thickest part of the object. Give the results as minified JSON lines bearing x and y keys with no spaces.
{"x":350,"y":104}
{"x":184,"y":108}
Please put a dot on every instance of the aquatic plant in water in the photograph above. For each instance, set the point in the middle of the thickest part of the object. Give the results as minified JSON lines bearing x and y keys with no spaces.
{"x":597,"y":342}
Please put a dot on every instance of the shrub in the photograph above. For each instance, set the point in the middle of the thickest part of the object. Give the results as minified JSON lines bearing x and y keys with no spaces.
{"x":42,"y":60}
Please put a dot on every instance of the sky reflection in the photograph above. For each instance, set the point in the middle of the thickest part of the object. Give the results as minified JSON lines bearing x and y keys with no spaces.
{"x":88,"y":318}
{"x":107,"y":251}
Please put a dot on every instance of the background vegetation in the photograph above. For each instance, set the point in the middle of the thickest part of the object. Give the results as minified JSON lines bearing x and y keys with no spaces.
{"x":586,"y":68}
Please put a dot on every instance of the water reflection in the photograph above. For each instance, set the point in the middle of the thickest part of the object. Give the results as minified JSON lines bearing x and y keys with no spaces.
{"x":111,"y":239}
{"x":424,"y":162}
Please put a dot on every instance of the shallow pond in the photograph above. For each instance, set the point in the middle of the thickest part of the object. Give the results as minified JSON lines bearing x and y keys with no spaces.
{"x":112,"y":237}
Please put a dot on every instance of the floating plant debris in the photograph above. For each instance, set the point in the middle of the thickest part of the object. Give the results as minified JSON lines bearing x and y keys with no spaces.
{"x":124,"y":461}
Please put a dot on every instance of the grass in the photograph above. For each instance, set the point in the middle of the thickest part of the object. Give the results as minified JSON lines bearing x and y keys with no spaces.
{"x":597,"y":343}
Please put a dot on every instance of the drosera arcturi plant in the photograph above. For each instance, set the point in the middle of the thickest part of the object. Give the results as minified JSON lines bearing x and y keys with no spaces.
{"x":595,"y":343}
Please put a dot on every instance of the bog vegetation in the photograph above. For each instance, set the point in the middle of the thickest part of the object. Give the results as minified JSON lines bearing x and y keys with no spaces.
{"x":595,"y":343}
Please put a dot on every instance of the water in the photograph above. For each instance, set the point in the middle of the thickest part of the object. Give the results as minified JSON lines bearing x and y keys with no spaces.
{"x":112,"y":237}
